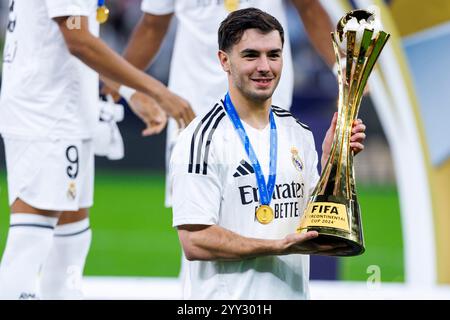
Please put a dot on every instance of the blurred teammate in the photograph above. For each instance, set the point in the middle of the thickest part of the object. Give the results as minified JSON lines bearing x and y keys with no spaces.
{"x":48,"y":112}
{"x":195,"y":73}
{"x":242,"y":176}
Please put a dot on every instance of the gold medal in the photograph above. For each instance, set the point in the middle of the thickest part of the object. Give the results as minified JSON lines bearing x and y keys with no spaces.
{"x":264,"y":214}
{"x":102,"y":14}
{"x":231,"y":5}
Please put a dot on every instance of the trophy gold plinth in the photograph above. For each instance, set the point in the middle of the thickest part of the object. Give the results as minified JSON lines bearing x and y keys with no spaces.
{"x":333,"y":209}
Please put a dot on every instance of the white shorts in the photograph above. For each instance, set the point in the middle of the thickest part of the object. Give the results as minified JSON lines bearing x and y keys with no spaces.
{"x":55,"y":175}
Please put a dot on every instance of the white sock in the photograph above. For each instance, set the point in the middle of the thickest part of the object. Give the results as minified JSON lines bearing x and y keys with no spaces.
{"x":62,"y":272}
{"x":30,"y":239}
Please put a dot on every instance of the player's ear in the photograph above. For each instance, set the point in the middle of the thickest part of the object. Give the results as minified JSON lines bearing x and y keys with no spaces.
{"x":224,"y":60}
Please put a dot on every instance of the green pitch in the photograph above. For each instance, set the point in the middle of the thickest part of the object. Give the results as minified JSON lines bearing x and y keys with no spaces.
{"x":380,"y":213}
{"x":132,"y":233}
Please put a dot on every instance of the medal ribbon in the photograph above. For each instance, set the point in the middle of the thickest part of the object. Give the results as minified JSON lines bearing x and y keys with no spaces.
{"x":265,"y":191}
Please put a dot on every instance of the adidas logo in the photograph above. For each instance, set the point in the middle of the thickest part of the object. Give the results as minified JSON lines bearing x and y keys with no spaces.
{"x":243,"y":169}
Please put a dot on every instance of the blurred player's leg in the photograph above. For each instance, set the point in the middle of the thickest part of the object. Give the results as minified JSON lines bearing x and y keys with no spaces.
{"x":62,"y":272}
{"x":53,"y":175}
{"x":30,"y":239}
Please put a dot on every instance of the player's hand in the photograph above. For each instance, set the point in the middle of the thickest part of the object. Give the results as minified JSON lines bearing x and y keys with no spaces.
{"x":299,"y":243}
{"x":176,"y":107}
{"x":356,"y":139}
{"x":358,"y":136}
{"x":149,"y":112}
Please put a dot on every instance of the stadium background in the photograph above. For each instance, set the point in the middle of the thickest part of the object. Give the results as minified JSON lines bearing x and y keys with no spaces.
{"x":132,"y":233}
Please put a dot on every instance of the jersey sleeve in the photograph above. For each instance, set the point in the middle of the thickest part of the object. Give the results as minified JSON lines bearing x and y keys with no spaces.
{"x":159,"y":7}
{"x":62,"y":8}
{"x":196,"y":189}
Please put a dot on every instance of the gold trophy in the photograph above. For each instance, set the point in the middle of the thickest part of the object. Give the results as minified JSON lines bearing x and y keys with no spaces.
{"x":333,"y":210}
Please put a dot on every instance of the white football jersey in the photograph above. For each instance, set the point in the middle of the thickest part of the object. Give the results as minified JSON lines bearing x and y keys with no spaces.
{"x":195,"y":70}
{"x":214,"y":184}
{"x":46,"y":92}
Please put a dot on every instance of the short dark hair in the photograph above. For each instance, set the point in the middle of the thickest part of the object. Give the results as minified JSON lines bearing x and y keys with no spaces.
{"x":233,"y":27}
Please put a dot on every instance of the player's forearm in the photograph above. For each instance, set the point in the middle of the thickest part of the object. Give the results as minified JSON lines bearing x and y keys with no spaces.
{"x":217,"y":243}
{"x":318,"y":26}
{"x":146,"y":40}
{"x":97,"y":55}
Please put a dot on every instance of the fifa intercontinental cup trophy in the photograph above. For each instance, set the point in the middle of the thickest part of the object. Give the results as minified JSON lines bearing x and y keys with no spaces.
{"x":333,"y":210}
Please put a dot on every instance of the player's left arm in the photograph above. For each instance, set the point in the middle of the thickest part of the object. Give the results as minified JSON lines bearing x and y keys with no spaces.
{"x":318,"y":26}
{"x":96,"y":54}
{"x":356,"y":140}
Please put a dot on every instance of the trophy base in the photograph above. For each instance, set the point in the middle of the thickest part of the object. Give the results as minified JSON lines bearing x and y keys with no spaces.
{"x":334,"y":237}
{"x":338,"y":222}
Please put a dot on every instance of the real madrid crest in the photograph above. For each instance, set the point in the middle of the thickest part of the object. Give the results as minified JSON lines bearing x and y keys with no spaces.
{"x":296,"y":161}
{"x":231,"y":5}
{"x":72,"y":191}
